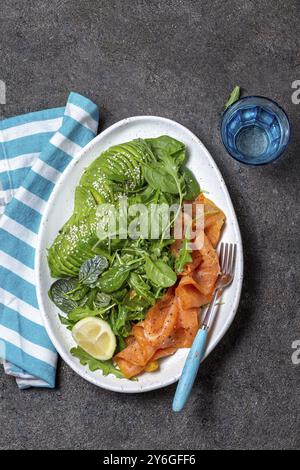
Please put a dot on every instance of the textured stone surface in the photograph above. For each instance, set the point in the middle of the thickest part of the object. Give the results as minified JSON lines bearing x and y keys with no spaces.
{"x":177,"y":59}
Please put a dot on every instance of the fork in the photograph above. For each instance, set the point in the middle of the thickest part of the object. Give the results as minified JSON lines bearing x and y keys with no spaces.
{"x":227,"y":259}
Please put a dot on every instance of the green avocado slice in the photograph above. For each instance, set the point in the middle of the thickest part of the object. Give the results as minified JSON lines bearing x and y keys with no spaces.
{"x":75,"y":243}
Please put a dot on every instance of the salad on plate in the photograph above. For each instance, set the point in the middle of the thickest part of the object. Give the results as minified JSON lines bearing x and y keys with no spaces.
{"x":136,"y":262}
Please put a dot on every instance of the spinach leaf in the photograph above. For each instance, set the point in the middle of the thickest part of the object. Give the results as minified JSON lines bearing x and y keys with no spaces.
{"x":171,"y":167}
{"x":91,"y":269}
{"x":184,"y":255}
{"x":166,"y":145}
{"x":162,"y":171}
{"x":192,"y":188}
{"x":59,"y":294}
{"x":233,"y":97}
{"x":159,"y":273}
{"x":93,"y":364}
{"x":114,"y":278}
{"x":158,"y":177}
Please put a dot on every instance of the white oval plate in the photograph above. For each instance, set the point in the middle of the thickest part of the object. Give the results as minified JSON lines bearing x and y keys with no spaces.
{"x":60,"y":207}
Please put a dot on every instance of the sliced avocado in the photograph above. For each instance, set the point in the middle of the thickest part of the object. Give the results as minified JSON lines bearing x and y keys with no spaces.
{"x":57,"y":261}
{"x":74,"y":246}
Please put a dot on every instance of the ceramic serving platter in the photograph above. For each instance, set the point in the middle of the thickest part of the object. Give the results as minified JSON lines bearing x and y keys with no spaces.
{"x":60,"y":207}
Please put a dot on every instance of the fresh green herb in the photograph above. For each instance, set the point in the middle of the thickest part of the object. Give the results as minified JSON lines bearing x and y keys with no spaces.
{"x":121,"y":320}
{"x":102,"y":300}
{"x":159,"y":273}
{"x":82,"y":312}
{"x":191,"y":185}
{"x":91,"y":270}
{"x":114,"y":278}
{"x":137,"y":283}
{"x":121,"y":344}
{"x":157,"y":248}
{"x":79,"y":293}
{"x":184,"y":256}
{"x":233,"y":97}
{"x":119,"y":295}
{"x":158,"y":176}
{"x":88,"y":300}
{"x":107,"y":367}
{"x":59,"y":294}
{"x":65,"y":321}
{"x":165,"y":145}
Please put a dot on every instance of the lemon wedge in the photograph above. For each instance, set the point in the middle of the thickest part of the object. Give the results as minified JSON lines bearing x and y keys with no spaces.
{"x":95,"y":336}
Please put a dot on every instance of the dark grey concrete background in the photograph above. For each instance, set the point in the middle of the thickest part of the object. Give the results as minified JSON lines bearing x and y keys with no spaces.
{"x":177,"y":59}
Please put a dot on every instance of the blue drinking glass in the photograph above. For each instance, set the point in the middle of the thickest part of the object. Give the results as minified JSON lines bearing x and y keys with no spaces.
{"x":255,"y":130}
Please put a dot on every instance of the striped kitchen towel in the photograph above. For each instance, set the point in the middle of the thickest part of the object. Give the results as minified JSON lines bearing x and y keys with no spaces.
{"x":34,"y":150}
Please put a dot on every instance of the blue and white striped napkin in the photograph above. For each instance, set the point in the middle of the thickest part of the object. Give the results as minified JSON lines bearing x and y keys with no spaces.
{"x":34,"y":150}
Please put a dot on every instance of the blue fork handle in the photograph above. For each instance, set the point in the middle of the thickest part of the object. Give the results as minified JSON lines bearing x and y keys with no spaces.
{"x":190,"y":370}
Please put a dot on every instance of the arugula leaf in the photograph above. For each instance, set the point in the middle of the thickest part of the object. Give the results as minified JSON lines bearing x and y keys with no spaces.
{"x":91,"y":269}
{"x":93,"y":364}
{"x":138,"y":284}
{"x":121,"y":344}
{"x":159,"y":273}
{"x":233,"y":97}
{"x":157,"y":247}
{"x":65,"y":321}
{"x":119,"y":295}
{"x":81,"y":312}
{"x":121,"y":319}
{"x":192,"y":188}
{"x":184,"y":255}
{"x":119,"y":322}
{"x":88,"y":299}
{"x":79,"y":293}
{"x":59,"y":294}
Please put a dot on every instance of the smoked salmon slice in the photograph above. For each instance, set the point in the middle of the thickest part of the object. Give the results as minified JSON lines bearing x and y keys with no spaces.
{"x":173,"y":321}
{"x":214,"y":219}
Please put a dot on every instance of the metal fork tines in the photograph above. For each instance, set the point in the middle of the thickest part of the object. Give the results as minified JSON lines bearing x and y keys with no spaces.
{"x":227,"y":259}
